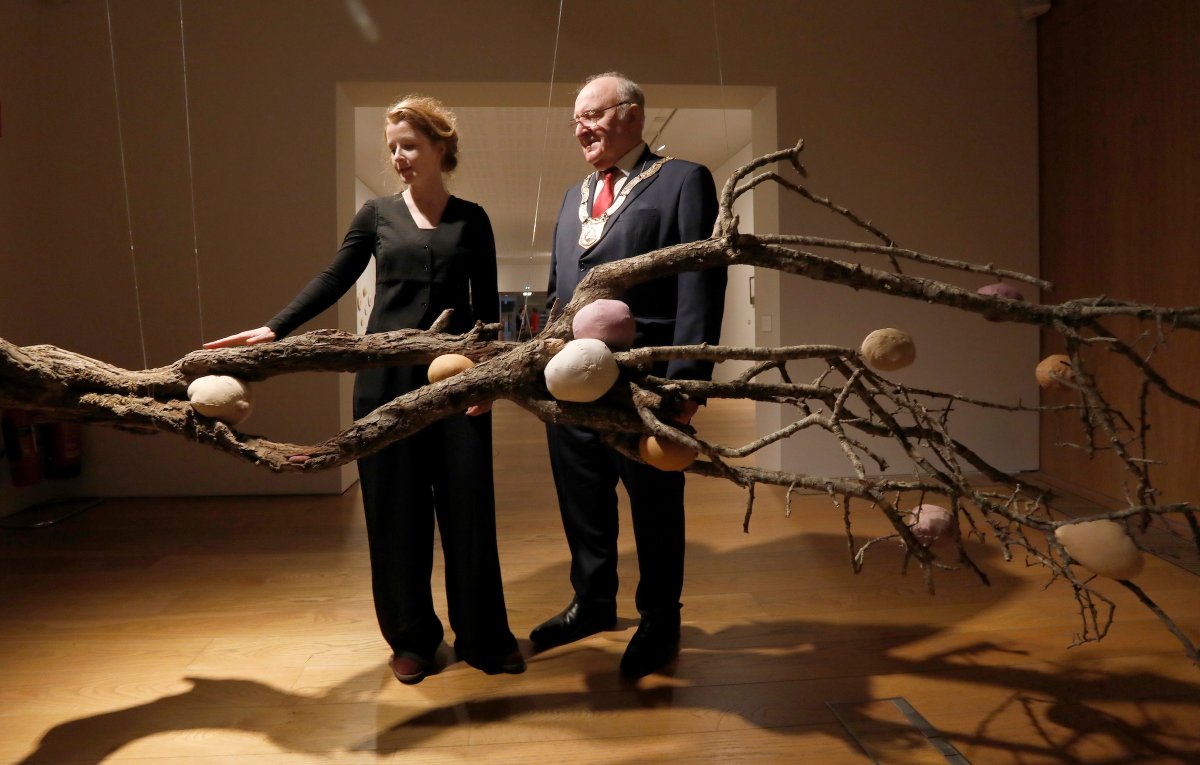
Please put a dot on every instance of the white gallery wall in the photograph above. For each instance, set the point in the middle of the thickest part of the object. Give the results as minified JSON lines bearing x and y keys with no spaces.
{"x":919,"y":116}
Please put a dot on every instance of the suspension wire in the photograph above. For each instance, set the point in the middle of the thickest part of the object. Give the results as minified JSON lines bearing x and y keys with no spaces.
{"x":721,"y":79}
{"x":546,"y":137}
{"x":137,"y":293}
{"x":187,"y":113}
{"x":654,"y":141}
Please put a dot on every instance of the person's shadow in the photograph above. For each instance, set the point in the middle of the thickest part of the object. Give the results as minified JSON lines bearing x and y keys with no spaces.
{"x":1064,"y":703}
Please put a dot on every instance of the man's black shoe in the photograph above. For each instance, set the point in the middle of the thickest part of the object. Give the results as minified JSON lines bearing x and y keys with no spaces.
{"x":575,"y":622}
{"x":652,"y":647}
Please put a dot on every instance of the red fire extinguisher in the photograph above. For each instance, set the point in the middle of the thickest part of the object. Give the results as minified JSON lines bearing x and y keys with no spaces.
{"x":20,"y":444}
{"x":61,"y":446}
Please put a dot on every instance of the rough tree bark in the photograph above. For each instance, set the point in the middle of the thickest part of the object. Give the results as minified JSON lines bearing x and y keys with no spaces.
{"x":850,"y":401}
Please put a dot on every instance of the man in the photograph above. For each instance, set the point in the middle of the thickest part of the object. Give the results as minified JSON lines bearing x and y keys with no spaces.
{"x":635,"y":202}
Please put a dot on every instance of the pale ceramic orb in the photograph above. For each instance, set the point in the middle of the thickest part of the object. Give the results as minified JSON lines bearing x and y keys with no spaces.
{"x":221,"y":397}
{"x":582,"y":371}
{"x":889,"y":349}
{"x":999,"y":289}
{"x":448,"y":365}
{"x":607,"y":320}
{"x":1103,"y":548}
{"x":1052,"y":370}
{"x":929,"y":522}
{"x":665,"y":454}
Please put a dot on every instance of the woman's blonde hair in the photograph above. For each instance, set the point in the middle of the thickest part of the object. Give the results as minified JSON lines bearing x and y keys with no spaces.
{"x":433,"y":119}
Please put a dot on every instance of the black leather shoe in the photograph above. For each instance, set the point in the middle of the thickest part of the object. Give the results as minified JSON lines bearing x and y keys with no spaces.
{"x":652,"y":647}
{"x":512,"y":664}
{"x":575,"y":622}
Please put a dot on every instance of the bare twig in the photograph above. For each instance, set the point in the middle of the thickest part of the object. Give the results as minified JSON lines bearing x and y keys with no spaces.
{"x":851,"y":402}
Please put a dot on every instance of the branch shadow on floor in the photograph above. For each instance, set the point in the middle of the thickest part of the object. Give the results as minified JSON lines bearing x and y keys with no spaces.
{"x":722,"y":672}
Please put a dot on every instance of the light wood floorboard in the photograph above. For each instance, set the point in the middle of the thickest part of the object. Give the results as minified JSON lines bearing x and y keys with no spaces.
{"x":221,"y":631}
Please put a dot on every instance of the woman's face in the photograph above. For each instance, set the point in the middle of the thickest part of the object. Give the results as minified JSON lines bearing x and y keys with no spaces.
{"x":415,"y":158}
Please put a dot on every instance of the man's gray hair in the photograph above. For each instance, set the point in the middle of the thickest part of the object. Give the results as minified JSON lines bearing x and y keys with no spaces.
{"x":627,"y":89}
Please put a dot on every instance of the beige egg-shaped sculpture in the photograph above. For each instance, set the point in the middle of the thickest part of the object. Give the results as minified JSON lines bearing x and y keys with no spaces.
{"x":221,"y":397}
{"x":607,"y":320}
{"x":665,"y":454}
{"x":889,"y":349}
{"x":1053,"y":370}
{"x":448,"y":365}
{"x":582,"y":371}
{"x":929,"y":522}
{"x":1102,"y":547}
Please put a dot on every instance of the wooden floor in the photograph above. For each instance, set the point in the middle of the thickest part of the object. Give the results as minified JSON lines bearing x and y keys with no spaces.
{"x":196,"y":632}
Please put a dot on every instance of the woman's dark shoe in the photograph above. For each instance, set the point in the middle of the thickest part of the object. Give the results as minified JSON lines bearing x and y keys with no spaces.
{"x":514,"y":664}
{"x":511,"y":664}
{"x":575,"y":622}
{"x":409,"y":669}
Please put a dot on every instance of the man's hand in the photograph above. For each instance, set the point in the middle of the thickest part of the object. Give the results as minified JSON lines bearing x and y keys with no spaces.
{"x":478,"y":409}
{"x":689,"y":411}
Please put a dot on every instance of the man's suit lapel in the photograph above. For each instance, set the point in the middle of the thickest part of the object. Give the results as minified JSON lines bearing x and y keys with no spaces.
{"x":647,"y":159}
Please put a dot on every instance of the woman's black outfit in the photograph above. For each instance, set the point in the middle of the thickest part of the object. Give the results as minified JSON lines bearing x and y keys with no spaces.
{"x":445,"y":470}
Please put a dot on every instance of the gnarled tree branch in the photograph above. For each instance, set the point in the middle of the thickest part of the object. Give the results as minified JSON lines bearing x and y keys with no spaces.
{"x":849,"y":400}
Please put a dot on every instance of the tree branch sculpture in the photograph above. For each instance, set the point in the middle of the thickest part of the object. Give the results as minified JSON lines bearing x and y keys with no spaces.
{"x":850,"y":401}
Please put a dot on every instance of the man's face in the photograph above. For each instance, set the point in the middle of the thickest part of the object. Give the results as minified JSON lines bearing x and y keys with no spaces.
{"x":605,"y":133}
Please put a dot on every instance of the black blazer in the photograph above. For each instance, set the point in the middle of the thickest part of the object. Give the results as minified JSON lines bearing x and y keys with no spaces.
{"x":418,"y":272}
{"x":677,"y":204}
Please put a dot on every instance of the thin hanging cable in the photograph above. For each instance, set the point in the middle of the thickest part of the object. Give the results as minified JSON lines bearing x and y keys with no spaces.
{"x":546,"y":138}
{"x":662,"y":127}
{"x":187,"y":113}
{"x":721,"y":80}
{"x":137,"y":293}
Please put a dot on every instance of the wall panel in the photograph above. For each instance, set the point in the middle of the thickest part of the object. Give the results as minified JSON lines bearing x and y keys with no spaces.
{"x":1120,"y":188}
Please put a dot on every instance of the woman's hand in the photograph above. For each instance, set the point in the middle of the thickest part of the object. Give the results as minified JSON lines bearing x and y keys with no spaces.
{"x":249,"y":337}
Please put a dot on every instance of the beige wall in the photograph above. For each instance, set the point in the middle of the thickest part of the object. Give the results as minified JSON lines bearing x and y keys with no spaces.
{"x":737,"y":328}
{"x":920,"y":115}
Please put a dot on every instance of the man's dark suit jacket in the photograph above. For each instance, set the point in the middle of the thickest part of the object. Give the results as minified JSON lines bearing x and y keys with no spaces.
{"x":677,"y":204}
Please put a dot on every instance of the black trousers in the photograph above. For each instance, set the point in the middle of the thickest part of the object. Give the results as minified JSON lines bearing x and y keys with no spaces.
{"x":586,"y":472}
{"x":443,"y":472}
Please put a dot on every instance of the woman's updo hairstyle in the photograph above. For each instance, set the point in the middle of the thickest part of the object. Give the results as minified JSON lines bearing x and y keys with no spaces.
{"x":433,"y":119}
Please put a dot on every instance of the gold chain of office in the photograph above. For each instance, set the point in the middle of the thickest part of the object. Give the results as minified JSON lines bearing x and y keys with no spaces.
{"x":593,"y":228}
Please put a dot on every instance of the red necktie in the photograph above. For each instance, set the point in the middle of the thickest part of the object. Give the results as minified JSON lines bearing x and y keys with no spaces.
{"x":605,"y":196}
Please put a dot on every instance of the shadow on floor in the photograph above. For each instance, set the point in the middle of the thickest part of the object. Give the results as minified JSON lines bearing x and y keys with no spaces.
{"x":720,"y":671}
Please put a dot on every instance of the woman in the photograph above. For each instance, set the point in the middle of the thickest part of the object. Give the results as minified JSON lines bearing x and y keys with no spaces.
{"x":433,"y":251}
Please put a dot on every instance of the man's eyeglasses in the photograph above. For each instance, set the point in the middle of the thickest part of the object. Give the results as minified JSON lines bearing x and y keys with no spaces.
{"x":589,"y":118}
